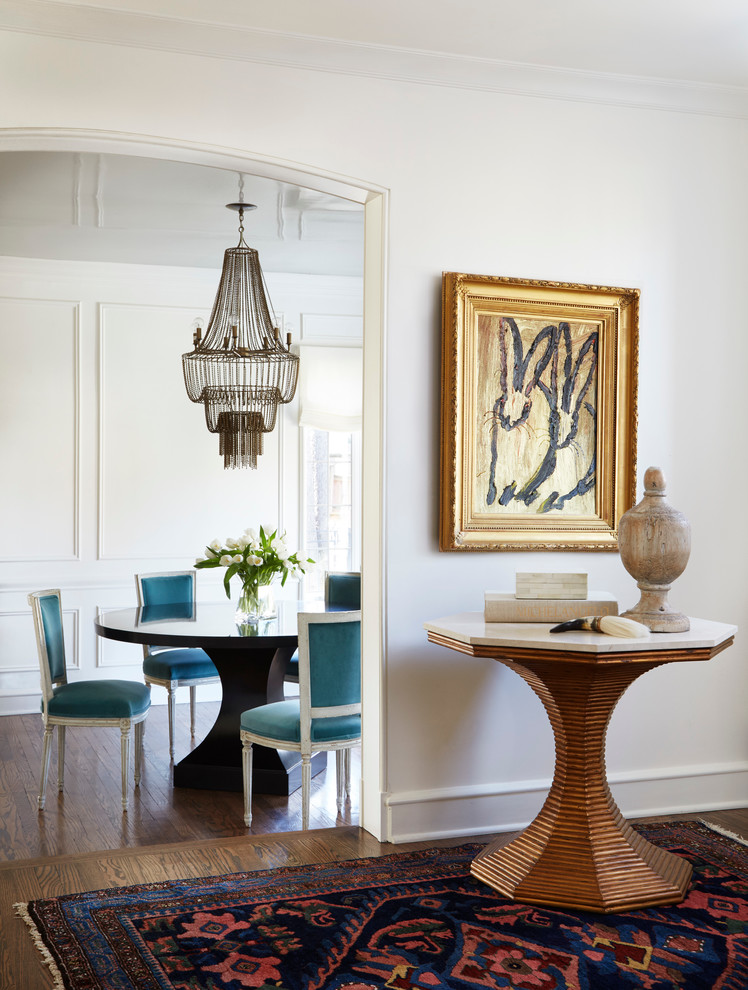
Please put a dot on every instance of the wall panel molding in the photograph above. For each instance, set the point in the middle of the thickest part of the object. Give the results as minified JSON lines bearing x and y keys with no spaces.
{"x":105,"y":647}
{"x":74,"y":306}
{"x":24,"y":587}
{"x":72,"y":642}
{"x":156,"y":553}
{"x":33,"y":665}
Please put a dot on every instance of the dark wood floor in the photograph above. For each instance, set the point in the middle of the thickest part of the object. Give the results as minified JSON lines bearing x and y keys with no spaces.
{"x":83,"y":842}
{"x":88,"y":817}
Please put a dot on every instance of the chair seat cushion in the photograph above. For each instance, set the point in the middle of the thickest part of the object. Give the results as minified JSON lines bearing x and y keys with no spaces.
{"x":179,"y":665}
{"x":282,"y":721}
{"x":100,"y":699}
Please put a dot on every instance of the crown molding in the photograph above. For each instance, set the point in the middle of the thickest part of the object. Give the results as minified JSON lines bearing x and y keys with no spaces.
{"x":80,"y":22}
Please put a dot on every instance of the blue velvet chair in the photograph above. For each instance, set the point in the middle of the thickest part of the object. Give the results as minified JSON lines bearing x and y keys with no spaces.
{"x":326,"y":715}
{"x":122,"y":704}
{"x":343,"y":589}
{"x":174,"y":668}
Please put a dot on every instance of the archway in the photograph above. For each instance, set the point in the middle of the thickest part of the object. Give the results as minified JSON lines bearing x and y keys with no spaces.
{"x":373,"y":199}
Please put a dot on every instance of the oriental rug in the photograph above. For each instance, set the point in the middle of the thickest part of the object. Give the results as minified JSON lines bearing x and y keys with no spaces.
{"x":414,"y":920}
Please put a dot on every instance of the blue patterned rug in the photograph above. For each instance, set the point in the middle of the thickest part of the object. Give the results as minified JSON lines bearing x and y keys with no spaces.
{"x":415,"y":920}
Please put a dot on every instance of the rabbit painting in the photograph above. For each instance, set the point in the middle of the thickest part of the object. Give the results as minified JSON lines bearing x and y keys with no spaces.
{"x":537,"y":415}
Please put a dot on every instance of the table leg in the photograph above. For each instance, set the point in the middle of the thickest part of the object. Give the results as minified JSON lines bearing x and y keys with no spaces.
{"x":247,"y":680}
{"x":579,"y":852}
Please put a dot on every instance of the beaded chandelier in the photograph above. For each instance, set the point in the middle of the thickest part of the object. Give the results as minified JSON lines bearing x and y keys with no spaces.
{"x":240,"y":370}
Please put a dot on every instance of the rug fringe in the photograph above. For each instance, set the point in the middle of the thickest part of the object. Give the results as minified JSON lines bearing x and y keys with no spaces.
{"x":723,"y":831}
{"x":22,"y":911}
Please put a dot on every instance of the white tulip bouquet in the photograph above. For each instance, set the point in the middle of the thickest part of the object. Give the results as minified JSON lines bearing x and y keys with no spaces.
{"x":256,"y":557}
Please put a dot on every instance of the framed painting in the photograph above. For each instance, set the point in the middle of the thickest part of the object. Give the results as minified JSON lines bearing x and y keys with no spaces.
{"x":538,"y":430}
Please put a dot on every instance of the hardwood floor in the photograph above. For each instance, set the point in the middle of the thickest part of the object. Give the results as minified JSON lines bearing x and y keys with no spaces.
{"x":82,"y":841}
{"x":87,"y":816}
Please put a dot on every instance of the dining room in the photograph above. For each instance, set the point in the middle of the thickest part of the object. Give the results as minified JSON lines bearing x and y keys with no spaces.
{"x":113,"y":261}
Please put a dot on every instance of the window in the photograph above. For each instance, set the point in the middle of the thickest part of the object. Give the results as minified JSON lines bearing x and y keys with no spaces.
{"x":331,"y":508}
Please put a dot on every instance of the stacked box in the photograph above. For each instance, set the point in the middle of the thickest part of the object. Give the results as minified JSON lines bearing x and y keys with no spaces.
{"x":551,"y":586}
{"x":503,"y":606}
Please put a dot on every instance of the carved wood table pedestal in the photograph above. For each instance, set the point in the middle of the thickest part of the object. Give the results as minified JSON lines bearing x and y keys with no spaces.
{"x":579,"y":852}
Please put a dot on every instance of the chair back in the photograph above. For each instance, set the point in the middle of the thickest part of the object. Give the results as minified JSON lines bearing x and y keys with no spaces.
{"x":165,"y":588}
{"x":46,"y":610}
{"x":329,"y":667}
{"x":343,"y":588}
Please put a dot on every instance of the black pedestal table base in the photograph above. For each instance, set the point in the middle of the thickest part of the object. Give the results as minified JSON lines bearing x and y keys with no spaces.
{"x":248,"y":679}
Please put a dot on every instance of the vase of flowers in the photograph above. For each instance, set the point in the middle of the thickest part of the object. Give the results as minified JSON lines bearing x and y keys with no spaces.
{"x":255,"y":602}
{"x":257,"y":559}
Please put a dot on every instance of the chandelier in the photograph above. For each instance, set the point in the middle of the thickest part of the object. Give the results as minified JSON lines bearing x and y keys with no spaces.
{"x":241,"y":370}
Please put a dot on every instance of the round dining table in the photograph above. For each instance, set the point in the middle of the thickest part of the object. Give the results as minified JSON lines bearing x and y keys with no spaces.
{"x":251,"y":661}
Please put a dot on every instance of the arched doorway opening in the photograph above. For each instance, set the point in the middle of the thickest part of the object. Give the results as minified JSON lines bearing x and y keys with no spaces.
{"x":374,"y":201}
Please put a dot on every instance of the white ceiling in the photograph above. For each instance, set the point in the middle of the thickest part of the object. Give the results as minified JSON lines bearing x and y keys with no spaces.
{"x":697,"y":40}
{"x":118,"y":208}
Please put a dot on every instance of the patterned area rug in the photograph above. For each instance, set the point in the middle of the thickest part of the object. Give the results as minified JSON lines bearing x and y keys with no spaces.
{"x":415,"y":920}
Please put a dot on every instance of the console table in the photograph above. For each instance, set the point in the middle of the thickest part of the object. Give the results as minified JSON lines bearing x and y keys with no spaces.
{"x":579,"y":852}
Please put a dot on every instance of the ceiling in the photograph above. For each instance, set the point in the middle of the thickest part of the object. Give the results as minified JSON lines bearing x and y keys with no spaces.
{"x":126,"y":209}
{"x":697,"y":40}
{"x":118,"y":208}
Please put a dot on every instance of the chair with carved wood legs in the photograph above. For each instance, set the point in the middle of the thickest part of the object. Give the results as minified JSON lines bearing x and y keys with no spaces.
{"x":327,"y":714}
{"x":121,"y":704}
{"x":170,"y":668}
{"x":342,"y":590}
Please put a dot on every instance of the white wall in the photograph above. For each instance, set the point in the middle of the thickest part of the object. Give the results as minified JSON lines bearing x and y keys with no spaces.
{"x":109,"y":469}
{"x":493,"y":183}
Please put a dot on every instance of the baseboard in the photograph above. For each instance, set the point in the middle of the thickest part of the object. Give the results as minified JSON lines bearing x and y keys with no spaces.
{"x":416,"y":816}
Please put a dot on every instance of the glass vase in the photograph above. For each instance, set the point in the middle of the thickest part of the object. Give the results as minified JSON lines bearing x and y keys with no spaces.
{"x":255,"y":602}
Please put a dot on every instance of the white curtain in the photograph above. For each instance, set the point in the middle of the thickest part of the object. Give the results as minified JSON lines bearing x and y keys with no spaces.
{"x":330,"y":381}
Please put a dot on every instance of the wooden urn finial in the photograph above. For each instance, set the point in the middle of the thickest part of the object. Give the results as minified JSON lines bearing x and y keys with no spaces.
{"x":654,"y":540}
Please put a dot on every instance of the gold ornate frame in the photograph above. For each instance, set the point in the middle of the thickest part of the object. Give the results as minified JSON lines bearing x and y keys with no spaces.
{"x":538,"y":427}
